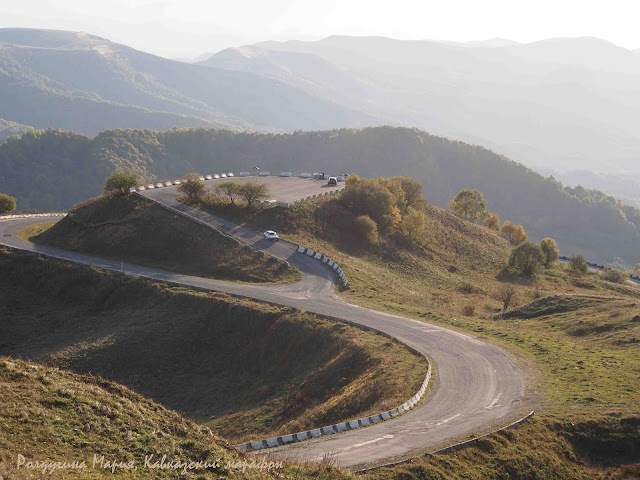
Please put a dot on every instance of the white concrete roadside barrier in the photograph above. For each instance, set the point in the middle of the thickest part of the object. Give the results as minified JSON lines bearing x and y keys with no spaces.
{"x":306,"y":175}
{"x":340,"y":427}
{"x":265,"y":174}
{"x":244,"y":174}
{"x":30,"y":215}
{"x":285,"y":174}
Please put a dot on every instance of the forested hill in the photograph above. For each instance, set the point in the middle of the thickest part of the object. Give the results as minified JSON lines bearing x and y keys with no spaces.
{"x":53,"y":170}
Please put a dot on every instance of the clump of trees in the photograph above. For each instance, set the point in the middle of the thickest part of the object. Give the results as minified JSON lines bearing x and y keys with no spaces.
{"x":527,"y":259}
{"x":193,"y":188}
{"x":121,"y":181}
{"x":7,"y":204}
{"x":394,"y":206}
{"x":471,"y":205}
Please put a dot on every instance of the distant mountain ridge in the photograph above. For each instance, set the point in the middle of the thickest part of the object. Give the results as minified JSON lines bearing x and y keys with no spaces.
{"x":559,"y":103}
{"x":85,"y":83}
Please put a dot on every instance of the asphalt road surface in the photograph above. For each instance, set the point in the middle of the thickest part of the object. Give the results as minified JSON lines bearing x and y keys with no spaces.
{"x":477,"y":386}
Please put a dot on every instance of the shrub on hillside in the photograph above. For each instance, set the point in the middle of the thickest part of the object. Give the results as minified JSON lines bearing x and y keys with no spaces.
{"x":492,"y":221}
{"x":367,"y":229}
{"x":550,"y":250}
{"x":506,"y":295}
{"x":527,"y":259}
{"x":121,"y":181}
{"x":615,"y":276}
{"x":515,"y":234}
{"x":193,"y":187}
{"x":7,"y":204}
{"x":577,"y":264}
{"x":469,"y":310}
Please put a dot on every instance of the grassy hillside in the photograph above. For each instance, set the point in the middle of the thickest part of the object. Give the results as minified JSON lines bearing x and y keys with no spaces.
{"x":55,"y":415}
{"x":136,"y":230}
{"x":580,"y":220}
{"x":243,"y":368}
{"x":576,"y":337}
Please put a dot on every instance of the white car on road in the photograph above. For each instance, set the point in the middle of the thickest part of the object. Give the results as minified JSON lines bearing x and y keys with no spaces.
{"x":271,"y":235}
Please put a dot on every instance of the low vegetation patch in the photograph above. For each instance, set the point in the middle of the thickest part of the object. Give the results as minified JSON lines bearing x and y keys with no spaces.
{"x":245,"y":369}
{"x":548,"y":449}
{"x":137,"y":230}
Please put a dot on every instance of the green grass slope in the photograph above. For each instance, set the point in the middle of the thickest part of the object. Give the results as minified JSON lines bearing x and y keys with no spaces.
{"x":243,"y":368}
{"x":575,"y":336}
{"x":136,"y":230}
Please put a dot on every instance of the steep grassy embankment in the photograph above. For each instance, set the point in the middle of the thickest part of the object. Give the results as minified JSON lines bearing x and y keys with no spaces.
{"x":243,"y":368}
{"x":576,"y":337}
{"x":136,"y":230}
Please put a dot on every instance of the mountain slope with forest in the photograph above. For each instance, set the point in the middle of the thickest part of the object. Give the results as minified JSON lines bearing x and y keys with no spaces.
{"x":85,"y":83}
{"x":53,"y":170}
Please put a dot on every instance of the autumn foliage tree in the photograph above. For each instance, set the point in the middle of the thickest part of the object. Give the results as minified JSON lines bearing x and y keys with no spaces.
{"x":412,"y":225}
{"x":7,"y":204}
{"x":121,"y":181}
{"x":492,"y":221}
{"x":515,"y":234}
{"x":550,"y":250}
{"x":470,"y":204}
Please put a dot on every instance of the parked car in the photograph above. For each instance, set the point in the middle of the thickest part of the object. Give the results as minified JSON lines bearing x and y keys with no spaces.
{"x":167,"y":183}
{"x":141,"y":188}
{"x":201,"y":177}
{"x":216,"y":176}
{"x":159,"y":185}
{"x":271,"y":235}
{"x":208,"y":177}
{"x":132,"y":189}
{"x":151,"y":185}
{"x":223,"y":175}
{"x":230,"y":174}
{"x":176,"y":182}
{"x":333,"y":181}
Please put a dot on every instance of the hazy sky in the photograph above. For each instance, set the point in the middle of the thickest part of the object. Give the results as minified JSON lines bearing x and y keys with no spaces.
{"x":187,"y":28}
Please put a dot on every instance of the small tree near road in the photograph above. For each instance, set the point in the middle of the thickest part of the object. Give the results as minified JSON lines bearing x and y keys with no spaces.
{"x":121,"y":181}
{"x":193,"y":188}
{"x":578,"y":265}
{"x":229,"y":190}
{"x":253,"y":192}
{"x":550,"y":250}
{"x":7,"y":204}
{"x":527,"y":258}
{"x":470,"y":204}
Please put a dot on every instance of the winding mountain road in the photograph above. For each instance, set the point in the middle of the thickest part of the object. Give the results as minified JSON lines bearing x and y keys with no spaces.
{"x":477,"y":386}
